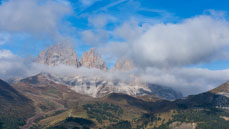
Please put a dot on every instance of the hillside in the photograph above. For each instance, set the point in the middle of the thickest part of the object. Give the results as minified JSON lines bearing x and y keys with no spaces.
{"x":207,"y":110}
{"x":55,"y":103}
{"x":15,"y":108}
{"x":49,"y":98}
{"x":58,"y":106}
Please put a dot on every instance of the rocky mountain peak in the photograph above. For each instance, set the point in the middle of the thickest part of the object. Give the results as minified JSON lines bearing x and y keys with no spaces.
{"x":124,"y":64}
{"x":60,"y":53}
{"x":222,"y":89}
{"x":92,"y":59}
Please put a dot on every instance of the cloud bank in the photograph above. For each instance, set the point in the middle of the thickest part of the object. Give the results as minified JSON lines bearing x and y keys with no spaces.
{"x":42,"y":19}
{"x":187,"y":80}
{"x":201,"y":39}
{"x":11,"y":66}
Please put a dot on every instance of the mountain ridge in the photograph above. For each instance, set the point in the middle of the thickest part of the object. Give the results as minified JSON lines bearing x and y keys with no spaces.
{"x":99,"y":87}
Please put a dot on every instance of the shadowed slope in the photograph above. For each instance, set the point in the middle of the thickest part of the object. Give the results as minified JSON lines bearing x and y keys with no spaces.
{"x":15,"y":108}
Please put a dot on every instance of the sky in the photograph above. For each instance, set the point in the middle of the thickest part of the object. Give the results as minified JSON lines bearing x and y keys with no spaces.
{"x":171,"y":42}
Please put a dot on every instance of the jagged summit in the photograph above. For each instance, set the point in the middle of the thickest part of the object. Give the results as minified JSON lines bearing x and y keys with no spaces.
{"x":124,"y":64}
{"x":98,"y":86}
{"x":92,"y":59}
{"x":60,"y":53}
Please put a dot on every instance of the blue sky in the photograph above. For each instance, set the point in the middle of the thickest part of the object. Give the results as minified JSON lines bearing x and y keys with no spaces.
{"x":183,"y":44}
{"x":115,"y":14}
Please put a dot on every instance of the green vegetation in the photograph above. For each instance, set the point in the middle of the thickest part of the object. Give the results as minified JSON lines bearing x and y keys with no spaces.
{"x":74,"y":123}
{"x":120,"y":125}
{"x":103,"y":111}
{"x":14,"y":117}
{"x":144,"y":120}
{"x":205,"y":118}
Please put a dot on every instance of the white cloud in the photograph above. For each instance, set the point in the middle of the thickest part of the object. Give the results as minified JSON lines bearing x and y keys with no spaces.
{"x":130,"y":31}
{"x":39,"y":18}
{"x":88,"y":2}
{"x":100,"y":20}
{"x":99,"y":37}
{"x":196,"y":40}
{"x":187,"y":80}
{"x":6,"y":54}
{"x":164,"y":51}
{"x":12,"y":66}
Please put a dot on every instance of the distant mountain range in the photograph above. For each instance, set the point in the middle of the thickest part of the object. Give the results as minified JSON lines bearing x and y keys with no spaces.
{"x":38,"y":102}
{"x":62,"y":53}
{"x":97,"y":86}
{"x":49,"y":101}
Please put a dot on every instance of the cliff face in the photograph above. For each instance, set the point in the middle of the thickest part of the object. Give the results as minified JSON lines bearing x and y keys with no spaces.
{"x":59,"y":54}
{"x":92,"y":59}
{"x":65,"y":54}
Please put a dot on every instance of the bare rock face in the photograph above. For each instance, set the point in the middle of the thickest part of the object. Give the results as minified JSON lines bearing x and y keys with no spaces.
{"x":92,"y":59}
{"x":99,"y":87}
{"x":59,"y":54}
{"x":124,"y":65}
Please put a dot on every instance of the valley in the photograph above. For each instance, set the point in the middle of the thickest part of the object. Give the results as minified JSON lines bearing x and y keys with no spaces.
{"x":114,"y":64}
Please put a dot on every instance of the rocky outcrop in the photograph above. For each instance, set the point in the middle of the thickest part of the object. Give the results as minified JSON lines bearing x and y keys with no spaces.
{"x":91,"y":59}
{"x":124,"y":65}
{"x":65,"y":54}
{"x":59,"y":54}
{"x":100,"y":87}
